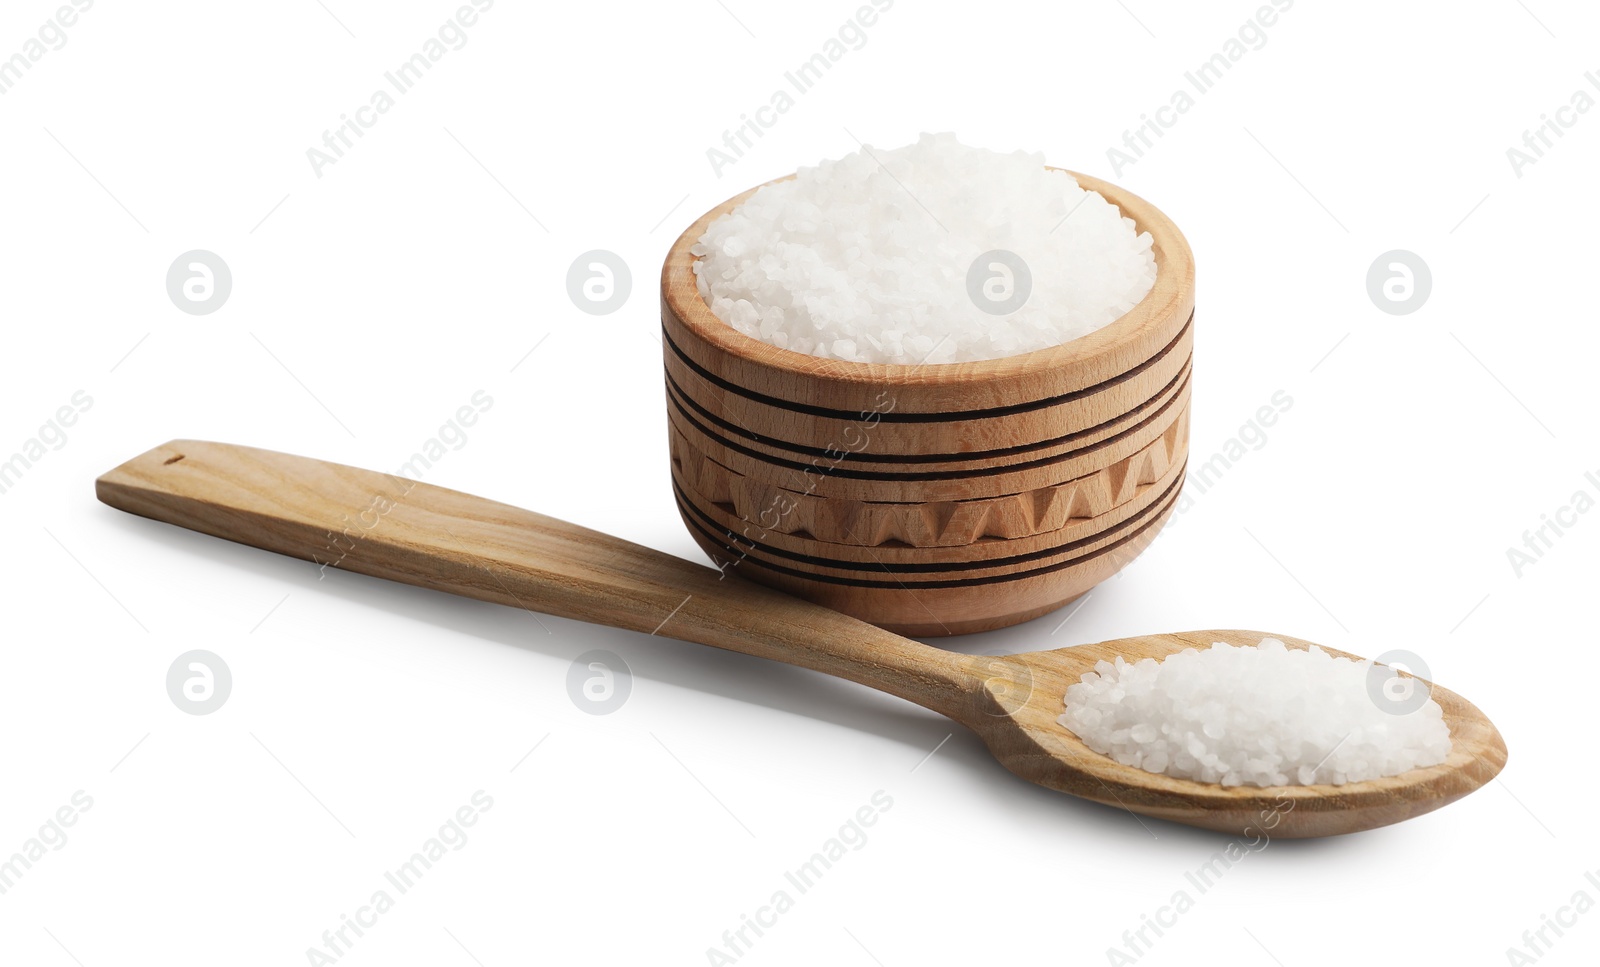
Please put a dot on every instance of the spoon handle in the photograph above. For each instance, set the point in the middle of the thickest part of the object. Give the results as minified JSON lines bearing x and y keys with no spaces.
{"x":397,"y":528}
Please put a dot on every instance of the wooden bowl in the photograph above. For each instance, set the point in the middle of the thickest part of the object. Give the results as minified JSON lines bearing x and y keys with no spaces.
{"x":935,"y":499}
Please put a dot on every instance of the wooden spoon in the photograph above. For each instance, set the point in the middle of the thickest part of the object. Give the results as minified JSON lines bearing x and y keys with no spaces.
{"x":396,"y":528}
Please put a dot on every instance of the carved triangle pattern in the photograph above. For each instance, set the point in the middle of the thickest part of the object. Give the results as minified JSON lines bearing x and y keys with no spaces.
{"x":837,"y":520}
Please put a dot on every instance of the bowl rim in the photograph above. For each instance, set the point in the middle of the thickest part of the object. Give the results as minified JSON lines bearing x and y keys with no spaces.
{"x":1173,"y":288}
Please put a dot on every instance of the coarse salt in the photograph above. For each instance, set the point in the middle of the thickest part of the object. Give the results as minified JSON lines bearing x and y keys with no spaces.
{"x":1267,"y":715}
{"x":868,"y":258}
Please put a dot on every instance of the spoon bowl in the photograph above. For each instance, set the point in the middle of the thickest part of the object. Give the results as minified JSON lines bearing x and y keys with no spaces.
{"x":397,"y":528}
{"x":1022,"y":731}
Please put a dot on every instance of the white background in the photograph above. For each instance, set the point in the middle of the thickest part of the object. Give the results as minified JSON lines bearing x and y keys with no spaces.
{"x":369,"y":303}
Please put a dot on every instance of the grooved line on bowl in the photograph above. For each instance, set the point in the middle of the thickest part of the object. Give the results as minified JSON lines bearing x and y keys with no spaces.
{"x":911,"y":476}
{"x":677,"y":397}
{"x":894,"y":417}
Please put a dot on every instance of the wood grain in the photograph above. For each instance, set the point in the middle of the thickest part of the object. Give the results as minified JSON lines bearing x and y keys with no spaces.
{"x":399,"y":529}
{"x":930,"y":463}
